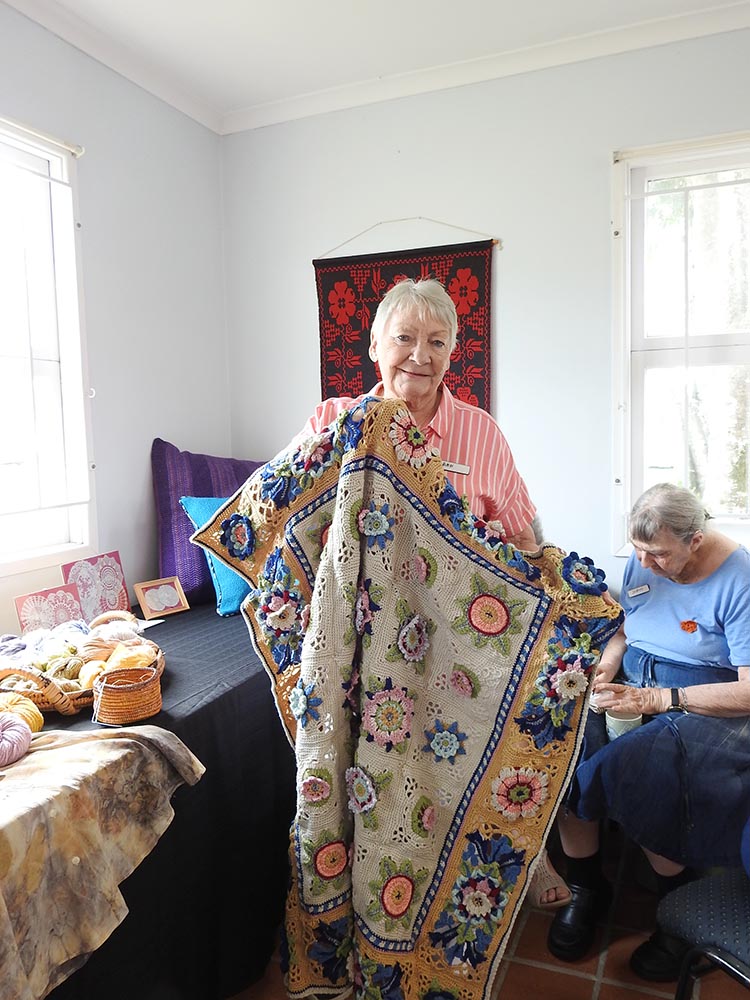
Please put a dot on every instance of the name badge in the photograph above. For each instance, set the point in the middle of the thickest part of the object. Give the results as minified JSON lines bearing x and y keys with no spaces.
{"x":463,"y":470}
{"x":637,"y":591}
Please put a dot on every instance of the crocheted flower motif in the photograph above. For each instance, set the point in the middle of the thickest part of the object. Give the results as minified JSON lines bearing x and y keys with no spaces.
{"x":347,"y":427}
{"x":364,"y":604}
{"x":464,"y":682}
{"x":332,"y":947}
{"x":302,"y":704}
{"x":421,"y":568}
{"x":388,"y":715}
{"x":489,"y":615}
{"x":375,"y":523}
{"x":582,"y":576}
{"x":464,"y":290}
{"x":342,"y":302}
{"x":361,"y":790}
{"x":452,"y":505}
{"x":314,"y":454}
{"x":409,"y":442}
{"x":280,"y":611}
{"x":394,"y":892}
{"x":446,"y":743}
{"x":518,"y":792}
{"x":379,"y":982}
{"x":331,"y":859}
{"x":423,"y":817}
{"x":488,"y":872}
{"x":572,"y":649}
{"x":315,"y":787}
{"x":413,"y":639}
{"x":279,"y":481}
{"x":326,"y":861}
{"x":689,"y":626}
{"x":570,"y":681}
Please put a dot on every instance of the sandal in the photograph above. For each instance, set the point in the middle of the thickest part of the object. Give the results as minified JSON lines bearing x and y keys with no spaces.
{"x":545,"y":878}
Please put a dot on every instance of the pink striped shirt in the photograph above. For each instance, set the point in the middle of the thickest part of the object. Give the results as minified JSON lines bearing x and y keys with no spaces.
{"x":465,"y":436}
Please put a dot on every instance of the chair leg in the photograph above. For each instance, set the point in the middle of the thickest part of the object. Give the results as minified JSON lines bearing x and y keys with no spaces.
{"x":687,"y":980}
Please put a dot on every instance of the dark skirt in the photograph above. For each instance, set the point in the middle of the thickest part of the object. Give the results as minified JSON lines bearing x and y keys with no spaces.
{"x":679,"y":785}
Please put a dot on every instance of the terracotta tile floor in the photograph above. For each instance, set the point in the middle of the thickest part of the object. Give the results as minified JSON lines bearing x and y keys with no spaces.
{"x":529,"y":972}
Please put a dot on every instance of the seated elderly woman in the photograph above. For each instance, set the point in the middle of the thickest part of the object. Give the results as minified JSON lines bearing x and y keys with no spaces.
{"x":412,"y":338}
{"x":679,"y":786}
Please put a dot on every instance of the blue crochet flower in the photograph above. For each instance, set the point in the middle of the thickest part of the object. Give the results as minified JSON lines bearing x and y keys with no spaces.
{"x":375,"y":524}
{"x":333,"y":942}
{"x":303,"y":705}
{"x":582,"y":576}
{"x":489,"y":870}
{"x":451,"y":505}
{"x":444,"y":741}
{"x":237,"y":536}
{"x":279,"y":483}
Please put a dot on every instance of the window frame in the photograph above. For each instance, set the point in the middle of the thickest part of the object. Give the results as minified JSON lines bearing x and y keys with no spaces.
{"x":45,"y":146}
{"x":627,"y":422}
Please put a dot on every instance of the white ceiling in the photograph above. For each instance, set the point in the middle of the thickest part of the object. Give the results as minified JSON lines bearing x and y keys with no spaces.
{"x":241,"y":64}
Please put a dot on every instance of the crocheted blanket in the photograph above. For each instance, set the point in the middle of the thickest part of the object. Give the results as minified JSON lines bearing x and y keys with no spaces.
{"x":433,"y":680}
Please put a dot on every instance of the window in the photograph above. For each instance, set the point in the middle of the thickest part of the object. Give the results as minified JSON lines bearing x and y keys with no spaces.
{"x":45,"y":489}
{"x":681,"y":227}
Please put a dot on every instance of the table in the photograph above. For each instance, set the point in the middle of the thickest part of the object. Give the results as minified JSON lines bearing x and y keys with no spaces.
{"x":78,"y":813}
{"x":206,"y":904}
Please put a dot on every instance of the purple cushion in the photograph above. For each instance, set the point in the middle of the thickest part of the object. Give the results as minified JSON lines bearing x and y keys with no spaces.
{"x":177,"y":474}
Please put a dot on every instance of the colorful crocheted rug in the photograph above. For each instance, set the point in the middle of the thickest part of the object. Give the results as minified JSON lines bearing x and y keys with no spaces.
{"x":433,"y":680}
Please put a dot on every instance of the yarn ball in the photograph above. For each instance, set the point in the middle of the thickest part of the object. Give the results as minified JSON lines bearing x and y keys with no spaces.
{"x":25,"y":707}
{"x":15,"y":738}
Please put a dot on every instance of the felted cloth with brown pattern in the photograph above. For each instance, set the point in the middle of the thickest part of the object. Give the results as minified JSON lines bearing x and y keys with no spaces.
{"x":433,"y":680}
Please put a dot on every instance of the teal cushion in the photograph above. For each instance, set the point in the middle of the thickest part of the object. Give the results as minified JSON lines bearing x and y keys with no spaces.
{"x":231,"y":589}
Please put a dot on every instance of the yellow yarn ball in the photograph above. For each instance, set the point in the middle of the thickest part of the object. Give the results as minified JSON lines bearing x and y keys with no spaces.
{"x":24,"y":707}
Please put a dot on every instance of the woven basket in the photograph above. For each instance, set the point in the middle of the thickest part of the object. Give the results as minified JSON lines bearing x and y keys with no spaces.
{"x":48,"y":696}
{"x":126,"y":695}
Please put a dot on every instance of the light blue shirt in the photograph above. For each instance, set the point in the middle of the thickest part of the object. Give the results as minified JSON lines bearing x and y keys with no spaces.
{"x":658,"y":613}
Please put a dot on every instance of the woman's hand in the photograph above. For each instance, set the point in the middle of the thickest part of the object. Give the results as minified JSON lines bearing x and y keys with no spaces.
{"x":605,"y":673}
{"x":636,"y":700}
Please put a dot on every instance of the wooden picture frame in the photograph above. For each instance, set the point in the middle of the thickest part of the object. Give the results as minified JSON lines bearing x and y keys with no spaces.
{"x":161,"y":597}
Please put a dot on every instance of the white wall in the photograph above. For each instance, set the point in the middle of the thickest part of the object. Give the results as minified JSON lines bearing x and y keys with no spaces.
{"x":525,"y":159}
{"x":153,"y":277}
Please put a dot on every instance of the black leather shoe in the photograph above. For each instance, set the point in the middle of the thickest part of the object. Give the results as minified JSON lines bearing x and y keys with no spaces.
{"x":659,"y":959}
{"x":571,"y":933}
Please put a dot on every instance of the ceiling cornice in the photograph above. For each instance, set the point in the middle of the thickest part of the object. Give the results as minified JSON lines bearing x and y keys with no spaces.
{"x":118,"y":57}
{"x":647,"y":34}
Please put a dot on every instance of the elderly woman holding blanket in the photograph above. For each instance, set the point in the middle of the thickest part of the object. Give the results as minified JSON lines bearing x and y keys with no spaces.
{"x":412,"y":338}
{"x":679,"y":786}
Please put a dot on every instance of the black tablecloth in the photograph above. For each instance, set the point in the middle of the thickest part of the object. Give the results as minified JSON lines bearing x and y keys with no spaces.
{"x":205,"y":905}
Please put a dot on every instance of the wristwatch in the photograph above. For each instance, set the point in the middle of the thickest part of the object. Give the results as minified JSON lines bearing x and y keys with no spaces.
{"x":679,"y":700}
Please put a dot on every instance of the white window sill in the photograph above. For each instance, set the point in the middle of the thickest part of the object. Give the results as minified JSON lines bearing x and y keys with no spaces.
{"x":30,"y":563}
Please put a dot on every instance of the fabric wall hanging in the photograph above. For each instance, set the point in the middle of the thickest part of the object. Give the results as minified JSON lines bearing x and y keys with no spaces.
{"x":434,"y":682}
{"x":350,"y":288}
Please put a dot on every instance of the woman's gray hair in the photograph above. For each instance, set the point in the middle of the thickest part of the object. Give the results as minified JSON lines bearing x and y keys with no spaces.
{"x":427,"y":298}
{"x":667,"y":506}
